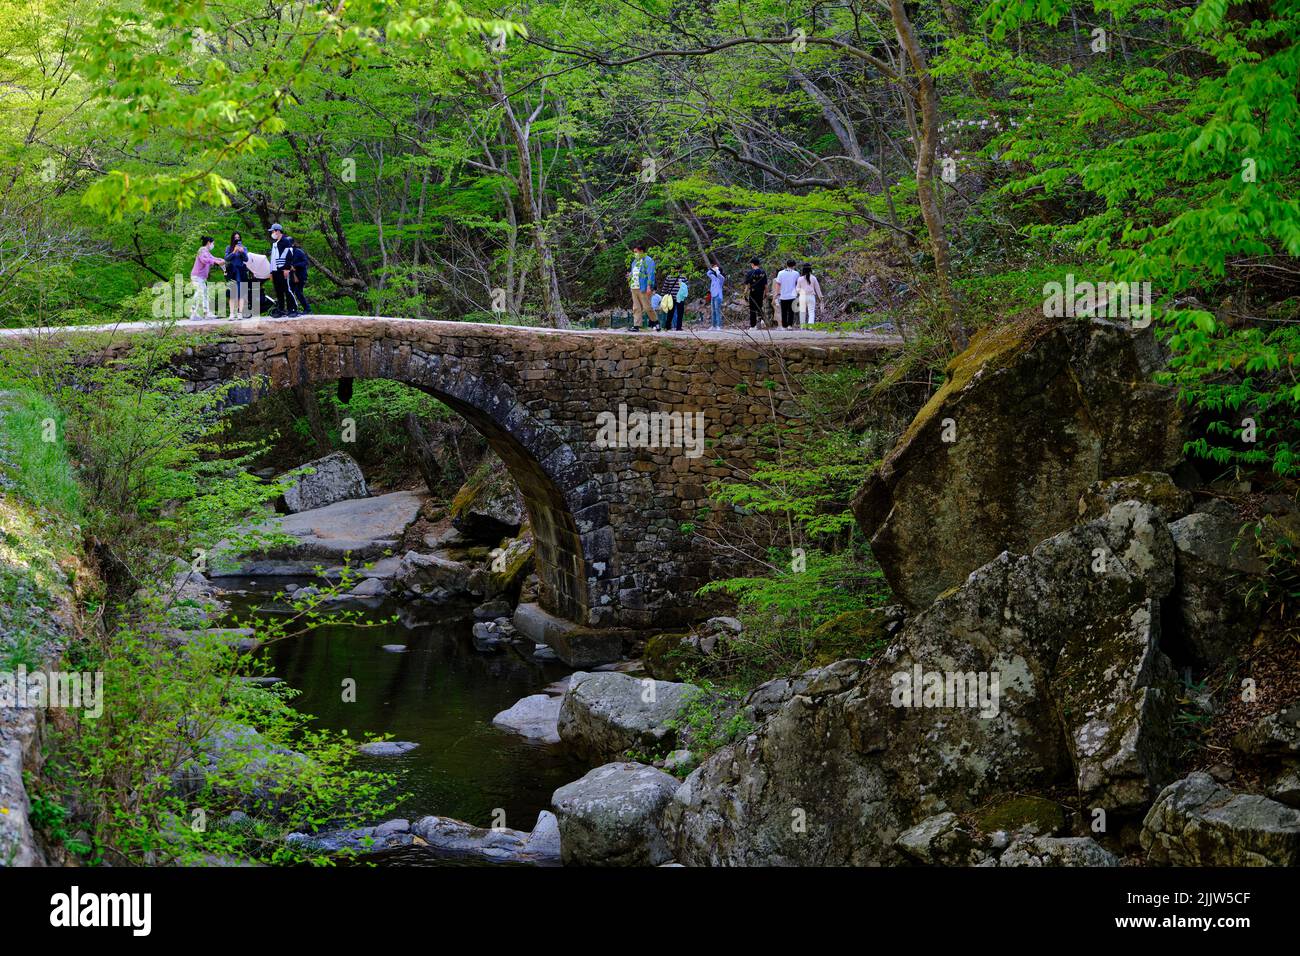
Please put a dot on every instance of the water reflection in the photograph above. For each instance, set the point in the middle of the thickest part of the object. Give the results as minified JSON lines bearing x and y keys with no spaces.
{"x":439,"y":693}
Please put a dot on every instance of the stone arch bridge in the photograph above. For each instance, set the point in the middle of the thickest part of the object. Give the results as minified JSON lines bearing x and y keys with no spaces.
{"x":566,"y":412}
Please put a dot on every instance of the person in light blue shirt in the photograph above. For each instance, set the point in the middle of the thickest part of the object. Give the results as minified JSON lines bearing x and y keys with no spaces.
{"x":679,"y":304}
{"x":716,"y":281}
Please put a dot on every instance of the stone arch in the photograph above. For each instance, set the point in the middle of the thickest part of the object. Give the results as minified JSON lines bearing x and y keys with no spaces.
{"x":573,"y":539}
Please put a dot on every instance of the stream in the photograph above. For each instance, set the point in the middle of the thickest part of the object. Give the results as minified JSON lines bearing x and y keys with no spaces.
{"x":439,"y":693}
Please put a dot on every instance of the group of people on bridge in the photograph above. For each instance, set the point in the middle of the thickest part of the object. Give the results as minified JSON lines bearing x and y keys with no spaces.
{"x":662,"y":300}
{"x":285,"y":265}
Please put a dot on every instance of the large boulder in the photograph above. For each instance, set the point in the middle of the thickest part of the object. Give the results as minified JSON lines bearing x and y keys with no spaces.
{"x":359,"y":530}
{"x":672,"y":656}
{"x":678,"y":656}
{"x":1030,"y":416}
{"x":535,"y":717}
{"x":1198,"y":822}
{"x":1216,"y":561}
{"x":489,"y":506}
{"x":432,"y":577}
{"x":857,"y":633}
{"x":1041,"y":670}
{"x":612,"y":816}
{"x":358,"y":841}
{"x":605,"y":715}
{"x":336,"y":477}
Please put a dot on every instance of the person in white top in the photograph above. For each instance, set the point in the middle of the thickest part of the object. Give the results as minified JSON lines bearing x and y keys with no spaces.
{"x":783,"y":290}
{"x":809,"y":293}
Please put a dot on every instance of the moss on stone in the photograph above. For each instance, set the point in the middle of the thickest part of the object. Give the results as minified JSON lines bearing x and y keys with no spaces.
{"x":474,"y":486}
{"x":1020,"y":813}
{"x":1150,"y":487}
{"x":853,"y":634}
{"x":466,"y":554}
{"x":669,"y":656}
{"x":518,"y":555}
{"x":991,"y":349}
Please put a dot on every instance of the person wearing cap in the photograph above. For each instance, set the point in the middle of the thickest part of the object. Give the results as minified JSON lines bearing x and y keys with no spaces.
{"x":281,"y":245}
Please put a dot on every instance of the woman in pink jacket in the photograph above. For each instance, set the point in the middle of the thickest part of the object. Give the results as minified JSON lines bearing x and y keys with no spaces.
{"x":203,"y":263}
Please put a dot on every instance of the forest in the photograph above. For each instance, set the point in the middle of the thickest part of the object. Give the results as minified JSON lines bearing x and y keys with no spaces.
{"x":954,"y":172}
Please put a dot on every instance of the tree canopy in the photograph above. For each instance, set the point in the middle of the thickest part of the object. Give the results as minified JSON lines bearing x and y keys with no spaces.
{"x":938,"y":162}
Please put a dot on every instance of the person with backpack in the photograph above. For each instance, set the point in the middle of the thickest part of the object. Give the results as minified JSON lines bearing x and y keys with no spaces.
{"x":279,"y":256}
{"x":237,"y":276}
{"x":716,"y":282}
{"x":298,"y":277}
{"x":204,"y":260}
{"x":809,"y":292}
{"x":680,"y":291}
{"x":756,"y":282}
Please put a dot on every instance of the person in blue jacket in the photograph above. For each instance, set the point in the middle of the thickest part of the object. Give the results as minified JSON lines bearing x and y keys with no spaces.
{"x":641,"y":280}
{"x":716,"y":281}
{"x":237,"y":276}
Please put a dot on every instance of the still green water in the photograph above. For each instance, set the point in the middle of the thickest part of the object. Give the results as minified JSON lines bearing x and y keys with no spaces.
{"x":439,"y":693}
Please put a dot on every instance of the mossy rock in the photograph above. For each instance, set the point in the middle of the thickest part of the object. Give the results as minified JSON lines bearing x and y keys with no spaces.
{"x":853,"y":634}
{"x":466,"y":554}
{"x":669,"y":657}
{"x":488,"y":505}
{"x":1020,"y":814}
{"x":517,"y":562}
{"x":1030,"y":416}
{"x":1151,"y":487}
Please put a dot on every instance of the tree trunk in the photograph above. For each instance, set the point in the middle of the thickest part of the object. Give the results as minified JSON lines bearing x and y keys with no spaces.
{"x":926,"y":144}
{"x":530,"y":205}
{"x":425,"y":451}
{"x":306,"y":396}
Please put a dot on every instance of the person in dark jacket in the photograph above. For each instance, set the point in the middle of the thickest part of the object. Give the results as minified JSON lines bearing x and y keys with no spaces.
{"x":279,"y":256}
{"x":679,"y":290}
{"x":298,"y":277}
{"x":756,"y":282}
{"x":237,"y":276}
